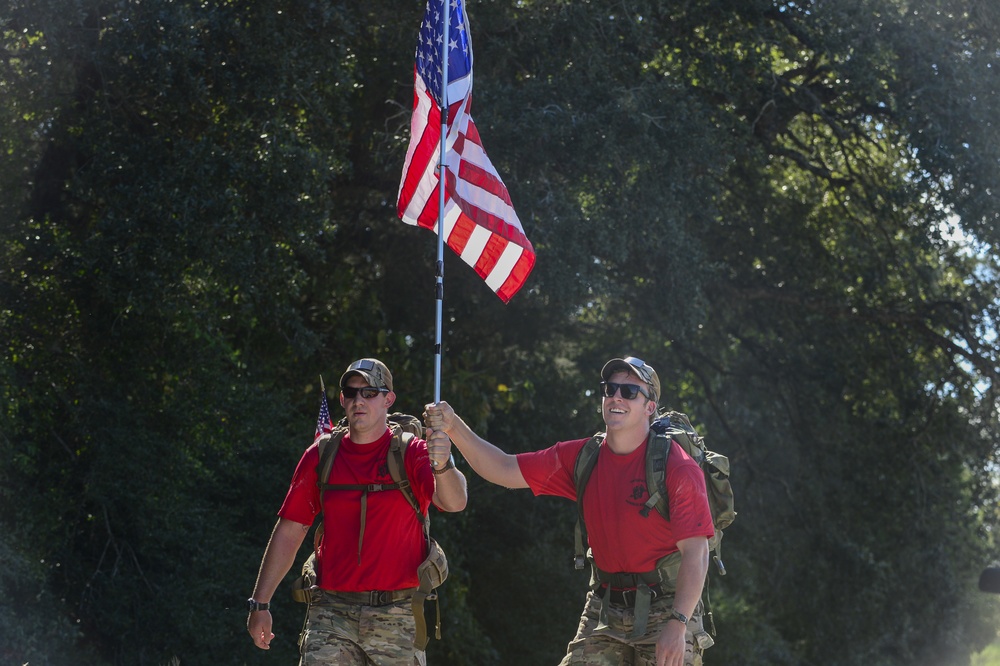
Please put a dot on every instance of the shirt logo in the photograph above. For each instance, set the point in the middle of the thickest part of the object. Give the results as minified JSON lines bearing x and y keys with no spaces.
{"x":639,"y":493}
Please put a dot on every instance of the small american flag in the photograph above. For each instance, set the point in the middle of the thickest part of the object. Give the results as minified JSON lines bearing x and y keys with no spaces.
{"x":480,"y":224}
{"x":324,"y":423}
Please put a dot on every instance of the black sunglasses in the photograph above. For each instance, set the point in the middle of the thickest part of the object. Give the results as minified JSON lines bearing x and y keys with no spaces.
{"x":367,"y":392}
{"x":629,"y":391}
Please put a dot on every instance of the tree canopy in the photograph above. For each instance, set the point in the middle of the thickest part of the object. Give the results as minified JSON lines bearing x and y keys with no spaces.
{"x":787,"y":208}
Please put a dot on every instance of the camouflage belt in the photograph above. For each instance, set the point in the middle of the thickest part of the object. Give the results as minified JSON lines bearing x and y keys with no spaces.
{"x":374,"y":597}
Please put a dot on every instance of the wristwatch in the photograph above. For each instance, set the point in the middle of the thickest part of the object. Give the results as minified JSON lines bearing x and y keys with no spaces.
{"x":448,"y":465}
{"x":679,"y":616}
{"x":254,"y":605}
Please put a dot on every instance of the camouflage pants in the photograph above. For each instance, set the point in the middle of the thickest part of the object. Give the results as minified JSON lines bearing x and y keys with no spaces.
{"x":612,"y":644}
{"x":342,"y":634}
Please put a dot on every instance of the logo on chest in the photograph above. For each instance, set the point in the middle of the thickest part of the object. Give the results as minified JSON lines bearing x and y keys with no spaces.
{"x":639,"y":493}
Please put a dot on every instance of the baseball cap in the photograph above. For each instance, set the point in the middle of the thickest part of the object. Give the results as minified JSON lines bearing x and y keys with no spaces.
{"x":372,"y":370}
{"x":637,"y":367}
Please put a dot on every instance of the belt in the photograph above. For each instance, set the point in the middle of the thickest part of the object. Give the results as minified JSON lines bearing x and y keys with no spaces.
{"x":626,"y":598}
{"x":374,"y":597}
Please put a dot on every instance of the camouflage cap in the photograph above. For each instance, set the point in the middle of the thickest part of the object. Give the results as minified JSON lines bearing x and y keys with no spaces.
{"x":637,"y":367}
{"x":372,"y":370}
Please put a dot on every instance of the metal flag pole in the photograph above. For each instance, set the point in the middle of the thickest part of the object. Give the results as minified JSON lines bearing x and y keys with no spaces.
{"x":439,"y":272}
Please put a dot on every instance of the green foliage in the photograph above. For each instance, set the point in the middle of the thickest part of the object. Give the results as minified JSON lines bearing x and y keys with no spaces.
{"x":988,"y":657}
{"x":759,"y":198}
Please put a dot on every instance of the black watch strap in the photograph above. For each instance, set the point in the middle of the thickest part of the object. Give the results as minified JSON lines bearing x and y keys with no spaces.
{"x":448,"y":465}
{"x":254,"y":605}
{"x":679,"y":616}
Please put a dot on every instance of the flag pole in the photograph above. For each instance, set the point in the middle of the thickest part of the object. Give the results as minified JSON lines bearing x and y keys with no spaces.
{"x":439,"y":272}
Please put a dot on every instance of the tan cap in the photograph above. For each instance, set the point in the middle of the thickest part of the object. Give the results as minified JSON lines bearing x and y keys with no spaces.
{"x":637,"y":367}
{"x":372,"y":370}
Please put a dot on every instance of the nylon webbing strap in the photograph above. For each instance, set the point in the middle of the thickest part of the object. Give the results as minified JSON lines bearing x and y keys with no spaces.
{"x":585,"y":464}
{"x":421,"y":639}
{"x":365,"y":489}
{"x":643,"y":597}
{"x":364,"y":517}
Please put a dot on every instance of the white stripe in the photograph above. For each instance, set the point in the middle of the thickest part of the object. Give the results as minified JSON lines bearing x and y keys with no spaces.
{"x":477,"y":242}
{"x":459,"y":88}
{"x":489,"y":202}
{"x":451,"y":214}
{"x":425,"y":189}
{"x":511,"y":254}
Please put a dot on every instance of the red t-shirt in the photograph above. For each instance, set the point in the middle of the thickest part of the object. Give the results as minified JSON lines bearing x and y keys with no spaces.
{"x":393,"y":544}
{"x":621,"y":539}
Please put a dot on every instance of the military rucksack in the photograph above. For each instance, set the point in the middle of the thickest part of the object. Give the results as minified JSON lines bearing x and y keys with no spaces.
{"x":433,"y":571}
{"x":668,"y":426}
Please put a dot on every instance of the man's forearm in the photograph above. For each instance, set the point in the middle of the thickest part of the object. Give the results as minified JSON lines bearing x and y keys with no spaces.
{"x":451,"y":490}
{"x":691,"y":576}
{"x":487,"y":460}
{"x":278,"y":557}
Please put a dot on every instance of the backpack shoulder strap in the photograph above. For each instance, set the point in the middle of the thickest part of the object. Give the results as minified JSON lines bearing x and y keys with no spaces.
{"x":328,"y":445}
{"x":397,"y":469}
{"x":657,"y":452}
{"x":585,"y":461}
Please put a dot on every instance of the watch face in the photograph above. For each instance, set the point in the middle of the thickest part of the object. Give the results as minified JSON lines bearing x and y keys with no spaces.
{"x":251,"y":605}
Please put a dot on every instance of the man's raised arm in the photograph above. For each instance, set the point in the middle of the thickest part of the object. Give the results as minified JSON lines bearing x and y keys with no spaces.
{"x":487,"y":460}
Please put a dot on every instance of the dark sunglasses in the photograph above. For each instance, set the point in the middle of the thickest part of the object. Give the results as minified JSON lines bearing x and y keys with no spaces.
{"x":629,"y":391}
{"x":367,"y":392}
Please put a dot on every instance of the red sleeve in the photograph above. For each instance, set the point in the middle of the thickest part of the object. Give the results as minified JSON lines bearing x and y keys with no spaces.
{"x":550,"y":471}
{"x":690,"y":515}
{"x":302,"y":500}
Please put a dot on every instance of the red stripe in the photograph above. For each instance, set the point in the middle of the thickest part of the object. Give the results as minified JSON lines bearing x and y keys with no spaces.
{"x":476,"y":175}
{"x":491,"y":254}
{"x":460,"y":234}
{"x":517,"y":277}
{"x":422,"y":156}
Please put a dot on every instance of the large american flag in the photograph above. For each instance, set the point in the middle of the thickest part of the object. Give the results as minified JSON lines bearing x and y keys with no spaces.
{"x":480,"y":224}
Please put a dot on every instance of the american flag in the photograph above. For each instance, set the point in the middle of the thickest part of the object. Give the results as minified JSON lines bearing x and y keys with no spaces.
{"x":324,"y":423}
{"x":480,"y":224}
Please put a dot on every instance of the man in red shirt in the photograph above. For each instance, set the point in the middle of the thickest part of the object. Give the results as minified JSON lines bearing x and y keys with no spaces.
{"x":622,"y":622}
{"x":372,"y":542}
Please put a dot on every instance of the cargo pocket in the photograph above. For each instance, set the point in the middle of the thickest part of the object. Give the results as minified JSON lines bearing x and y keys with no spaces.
{"x":703,"y":640}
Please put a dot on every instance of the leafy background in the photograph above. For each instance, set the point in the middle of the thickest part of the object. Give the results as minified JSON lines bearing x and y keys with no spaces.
{"x":787,"y":208}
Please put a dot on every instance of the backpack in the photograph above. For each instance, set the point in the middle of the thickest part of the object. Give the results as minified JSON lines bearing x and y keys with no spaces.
{"x":433,"y":571}
{"x":668,"y":426}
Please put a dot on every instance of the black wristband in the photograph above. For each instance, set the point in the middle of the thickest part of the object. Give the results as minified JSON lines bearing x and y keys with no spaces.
{"x":254,"y":605}
{"x":448,"y":465}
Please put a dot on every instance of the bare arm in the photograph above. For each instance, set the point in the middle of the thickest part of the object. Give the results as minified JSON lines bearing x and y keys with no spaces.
{"x":278,"y":559}
{"x":690,"y":580}
{"x":450,"y":487}
{"x":487,"y":460}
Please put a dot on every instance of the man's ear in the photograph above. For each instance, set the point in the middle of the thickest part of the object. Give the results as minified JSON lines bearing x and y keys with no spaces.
{"x":650,"y":407}
{"x":390,"y":398}
{"x":341,"y":397}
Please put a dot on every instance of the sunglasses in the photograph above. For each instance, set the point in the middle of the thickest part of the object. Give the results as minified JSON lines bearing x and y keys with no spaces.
{"x":367,"y":392}
{"x":628,"y":391}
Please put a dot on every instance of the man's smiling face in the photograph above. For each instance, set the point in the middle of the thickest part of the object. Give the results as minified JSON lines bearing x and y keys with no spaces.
{"x":619,"y":413}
